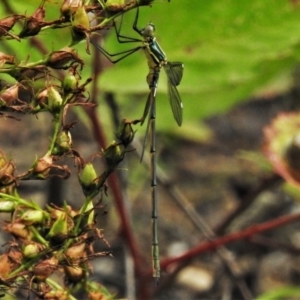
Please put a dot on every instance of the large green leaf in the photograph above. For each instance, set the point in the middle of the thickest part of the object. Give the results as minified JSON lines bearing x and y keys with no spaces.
{"x":231,"y":49}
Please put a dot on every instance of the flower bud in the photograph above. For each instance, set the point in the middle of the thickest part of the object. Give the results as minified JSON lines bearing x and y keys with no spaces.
{"x":59,"y":229}
{"x":7,"y":206}
{"x":125,"y":132}
{"x":33,"y":217}
{"x":63,"y":143}
{"x":55,"y":100}
{"x":89,"y":215}
{"x":70,"y":82}
{"x":80,"y":25}
{"x":88,"y":179}
{"x":32,"y":250}
{"x":113,"y":155}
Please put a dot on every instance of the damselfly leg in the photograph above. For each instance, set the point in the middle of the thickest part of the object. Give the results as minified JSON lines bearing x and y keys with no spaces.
{"x":121,"y":39}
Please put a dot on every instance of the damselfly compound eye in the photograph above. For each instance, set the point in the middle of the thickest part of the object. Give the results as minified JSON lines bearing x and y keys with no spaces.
{"x":148,"y":31}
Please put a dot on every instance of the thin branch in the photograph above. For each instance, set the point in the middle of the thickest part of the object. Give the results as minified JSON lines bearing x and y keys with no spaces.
{"x":230,"y":238}
{"x":264,"y":184}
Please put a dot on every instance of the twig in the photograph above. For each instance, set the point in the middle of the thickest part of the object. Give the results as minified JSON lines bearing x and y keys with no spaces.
{"x":246,"y":201}
{"x":240,"y":235}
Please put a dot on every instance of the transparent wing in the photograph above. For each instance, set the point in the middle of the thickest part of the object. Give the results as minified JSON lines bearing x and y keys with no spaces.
{"x":148,"y":108}
{"x":174,"y":71}
{"x":175,"y":102}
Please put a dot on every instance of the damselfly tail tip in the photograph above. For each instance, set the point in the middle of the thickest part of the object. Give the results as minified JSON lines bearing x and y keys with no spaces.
{"x":179,"y":122}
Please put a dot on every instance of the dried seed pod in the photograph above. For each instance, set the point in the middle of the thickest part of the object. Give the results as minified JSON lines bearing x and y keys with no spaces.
{"x":59,"y":59}
{"x":19,"y":230}
{"x":5,"y":266}
{"x":44,"y":269}
{"x":7,"y":169}
{"x":74,"y":274}
{"x":34,"y":23}
{"x":41,"y":167}
{"x":9,"y":95}
{"x":6,"y":24}
{"x":69,"y":7}
{"x":76,"y":252}
{"x":6,"y":59}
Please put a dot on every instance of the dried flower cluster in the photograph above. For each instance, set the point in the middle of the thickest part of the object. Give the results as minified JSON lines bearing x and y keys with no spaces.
{"x":54,"y":239}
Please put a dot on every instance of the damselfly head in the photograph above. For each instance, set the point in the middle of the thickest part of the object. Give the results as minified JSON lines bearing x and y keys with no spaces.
{"x":148,"y":31}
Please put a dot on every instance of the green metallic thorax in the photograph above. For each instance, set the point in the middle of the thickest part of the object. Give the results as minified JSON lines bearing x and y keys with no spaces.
{"x":155,"y":55}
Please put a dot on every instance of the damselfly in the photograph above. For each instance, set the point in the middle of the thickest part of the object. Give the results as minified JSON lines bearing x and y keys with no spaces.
{"x":156,"y":60}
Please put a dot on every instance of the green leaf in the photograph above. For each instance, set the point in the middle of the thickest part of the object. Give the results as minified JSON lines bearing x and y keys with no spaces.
{"x":231,"y":49}
{"x":281,"y":293}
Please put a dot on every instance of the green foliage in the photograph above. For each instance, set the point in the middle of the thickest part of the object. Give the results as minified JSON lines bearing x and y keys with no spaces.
{"x":288,"y":292}
{"x":231,"y":49}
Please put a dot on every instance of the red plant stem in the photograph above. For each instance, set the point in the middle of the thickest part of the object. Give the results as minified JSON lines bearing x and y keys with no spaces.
{"x":113,"y":180}
{"x":236,"y":236}
{"x":246,"y":200}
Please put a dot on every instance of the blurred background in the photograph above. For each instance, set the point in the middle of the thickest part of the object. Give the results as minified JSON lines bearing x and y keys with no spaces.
{"x":241,"y":69}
